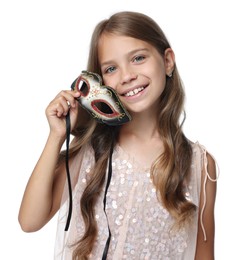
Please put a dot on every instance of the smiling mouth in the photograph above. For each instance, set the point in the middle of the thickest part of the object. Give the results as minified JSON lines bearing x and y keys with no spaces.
{"x":134,"y":92}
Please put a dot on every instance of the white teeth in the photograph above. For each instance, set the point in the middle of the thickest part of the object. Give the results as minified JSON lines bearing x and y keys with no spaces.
{"x":133,"y":92}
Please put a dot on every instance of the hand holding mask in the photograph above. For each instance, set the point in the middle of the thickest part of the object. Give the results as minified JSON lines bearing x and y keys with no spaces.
{"x":102,"y":102}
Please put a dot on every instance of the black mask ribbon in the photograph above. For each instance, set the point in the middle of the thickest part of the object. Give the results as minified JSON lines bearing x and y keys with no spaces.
{"x":68,"y":131}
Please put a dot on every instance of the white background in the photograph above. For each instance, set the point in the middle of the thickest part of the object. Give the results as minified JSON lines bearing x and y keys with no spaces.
{"x":44,"y":46}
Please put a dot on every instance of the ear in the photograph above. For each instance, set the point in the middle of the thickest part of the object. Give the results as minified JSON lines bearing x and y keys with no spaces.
{"x":169,"y":58}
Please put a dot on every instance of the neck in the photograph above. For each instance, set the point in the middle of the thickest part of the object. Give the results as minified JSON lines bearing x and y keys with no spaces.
{"x":140,"y":138}
{"x":142,"y":125}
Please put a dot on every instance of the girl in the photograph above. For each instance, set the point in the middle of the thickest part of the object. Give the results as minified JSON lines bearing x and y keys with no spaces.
{"x":141,"y":190}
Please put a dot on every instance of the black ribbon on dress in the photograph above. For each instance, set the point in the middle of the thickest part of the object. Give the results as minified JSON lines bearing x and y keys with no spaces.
{"x":68,"y":132}
{"x":106,"y":189}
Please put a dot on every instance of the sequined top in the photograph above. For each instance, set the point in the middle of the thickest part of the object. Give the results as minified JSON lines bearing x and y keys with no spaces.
{"x":141,"y":228}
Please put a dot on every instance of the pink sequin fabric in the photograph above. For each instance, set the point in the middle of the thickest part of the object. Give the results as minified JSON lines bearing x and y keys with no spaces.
{"x":141,"y":228}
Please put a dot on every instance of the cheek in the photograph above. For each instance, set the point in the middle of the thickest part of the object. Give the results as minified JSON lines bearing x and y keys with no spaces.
{"x":158,"y":72}
{"x":158,"y":76}
{"x":109,"y":81}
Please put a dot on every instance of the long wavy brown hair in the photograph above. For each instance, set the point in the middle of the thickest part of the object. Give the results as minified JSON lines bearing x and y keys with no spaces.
{"x":172,"y":168}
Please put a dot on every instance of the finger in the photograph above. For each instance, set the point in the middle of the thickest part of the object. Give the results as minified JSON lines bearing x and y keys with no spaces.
{"x":58,"y":107}
{"x":60,"y":111}
{"x":70,"y":96}
{"x":62,"y":106}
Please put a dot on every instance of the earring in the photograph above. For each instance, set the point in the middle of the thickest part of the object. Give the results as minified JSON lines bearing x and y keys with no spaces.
{"x":170,"y":75}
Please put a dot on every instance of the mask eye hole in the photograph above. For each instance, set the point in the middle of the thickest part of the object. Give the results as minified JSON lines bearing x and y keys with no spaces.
{"x":104,"y":108}
{"x":82,"y":86}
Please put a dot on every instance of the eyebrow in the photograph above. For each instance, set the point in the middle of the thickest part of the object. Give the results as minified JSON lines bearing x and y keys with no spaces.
{"x":127,"y":54}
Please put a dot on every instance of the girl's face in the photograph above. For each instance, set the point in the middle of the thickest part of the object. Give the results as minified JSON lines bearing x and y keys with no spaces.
{"x":135,"y":69}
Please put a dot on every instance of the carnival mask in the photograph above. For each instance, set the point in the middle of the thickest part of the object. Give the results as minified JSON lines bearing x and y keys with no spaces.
{"x":102,"y":102}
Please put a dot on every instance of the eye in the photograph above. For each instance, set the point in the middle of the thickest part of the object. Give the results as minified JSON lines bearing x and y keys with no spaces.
{"x":110,"y":69}
{"x":139,"y":58}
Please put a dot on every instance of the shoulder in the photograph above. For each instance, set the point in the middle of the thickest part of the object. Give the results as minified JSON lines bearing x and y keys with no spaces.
{"x":204,"y":174}
{"x":211,"y":167}
{"x":207,"y":161}
{"x":79,"y":153}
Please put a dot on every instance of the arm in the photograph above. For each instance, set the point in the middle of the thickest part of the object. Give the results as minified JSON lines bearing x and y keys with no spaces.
{"x":44,"y":189}
{"x":205,"y":249}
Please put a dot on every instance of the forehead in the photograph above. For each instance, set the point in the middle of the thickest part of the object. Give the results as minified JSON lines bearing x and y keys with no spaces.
{"x":113,"y":45}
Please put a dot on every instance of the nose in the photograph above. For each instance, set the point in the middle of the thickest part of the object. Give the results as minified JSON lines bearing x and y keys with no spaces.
{"x":127,"y":75}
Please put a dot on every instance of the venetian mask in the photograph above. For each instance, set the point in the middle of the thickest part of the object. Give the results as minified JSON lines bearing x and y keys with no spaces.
{"x":102,"y":102}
